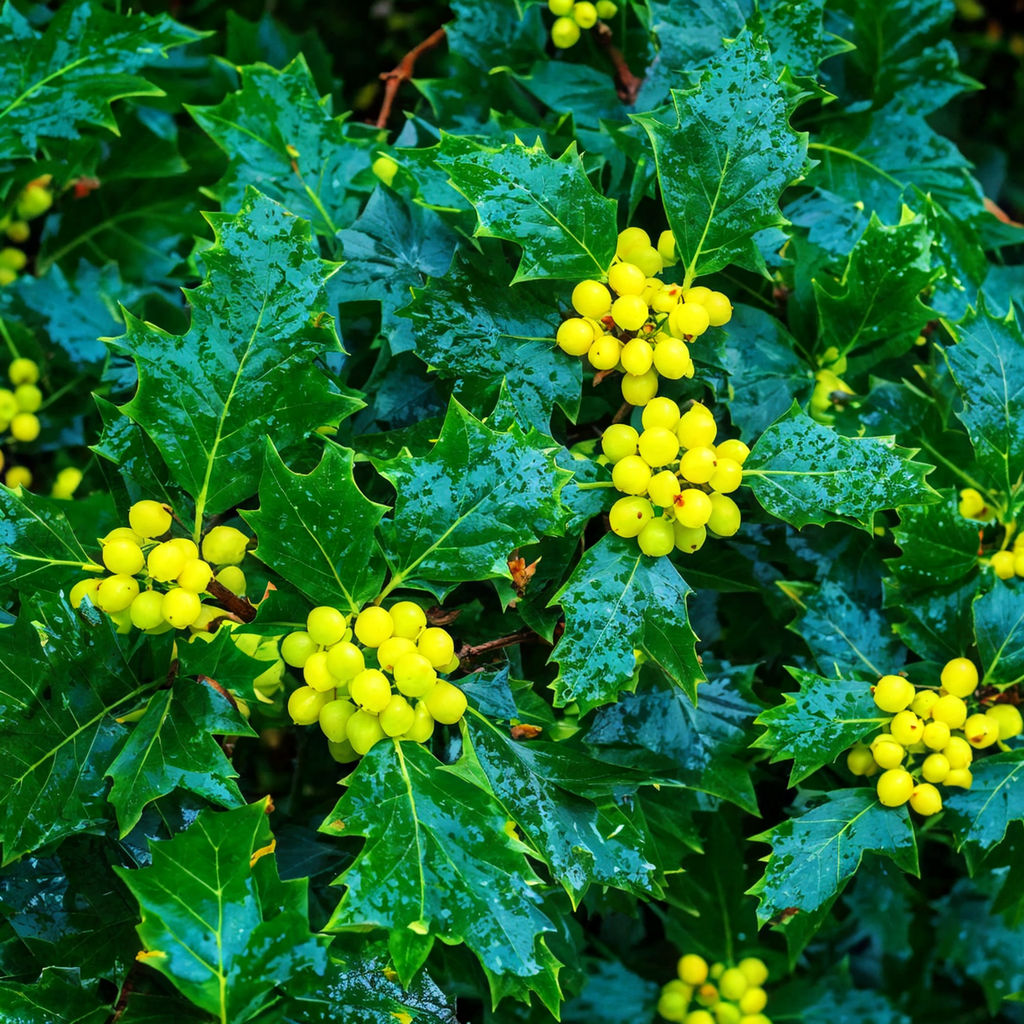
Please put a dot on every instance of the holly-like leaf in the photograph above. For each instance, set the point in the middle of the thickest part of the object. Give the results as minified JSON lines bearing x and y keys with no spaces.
{"x":617,"y":601}
{"x":660,"y":730}
{"x":805,"y":473}
{"x":216,"y":919}
{"x":58,"y":727}
{"x":875,"y":306}
{"x":980,"y":816}
{"x":987,"y":363}
{"x":560,"y":798}
{"x":846,"y":637}
{"x":813,"y":727}
{"x":281,"y":137}
{"x":391,"y":249}
{"x":938,"y":546}
{"x":245,"y":368}
{"x":566,"y":228}
{"x":999,"y":629}
{"x":38,"y":547}
{"x":724,"y":164}
{"x":57,"y":996}
{"x":317,"y":529}
{"x":814,"y":855}
{"x":464,"y":878}
{"x":470,"y":325}
{"x":461,"y":510}
{"x":56,"y":82}
{"x":172,"y":747}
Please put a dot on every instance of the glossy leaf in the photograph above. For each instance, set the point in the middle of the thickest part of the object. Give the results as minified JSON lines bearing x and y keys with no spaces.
{"x":173,"y":746}
{"x":815,"y":854}
{"x":987,"y":363}
{"x":815,"y":726}
{"x":938,"y":546}
{"x":466,"y":880}
{"x":980,"y":816}
{"x":245,"y":366}
{"x":57,"y":82}
{"x":726,"y":161}
{"x":560,"y":798}
{"x":999,"y":628}
{"x":216,"y":919}
{"x":472,"y":325}
{"x":565,"y":227}
{"x":56,"y":997}
{"x":281,"y":137}
{"x":617,"y":601}
{"x":317,"y":530}
{"x":804,"y":473}
{"x":461,"y":510}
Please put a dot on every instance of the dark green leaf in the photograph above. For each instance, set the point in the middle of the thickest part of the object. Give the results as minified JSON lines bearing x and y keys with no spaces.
{"x":56,"y":997}
{"x":565,"y":227}
{"x":617,"y":601}
{"x":816,"y":725}
{"x":216,"y":919}
{"x":470,"y":325}
{"x":805,"y":473}
{"x":56,"y":82}
{"x":999,"y":628}
{"x":815,"y":854}
{"x":245,"y":367}
{"x":938,"y":546}
{"x":461,"y":510}
{"x":464,"y":878}
{"x":316,"y":529}
{"x":980,"y":816}
{"x":723,"y":166}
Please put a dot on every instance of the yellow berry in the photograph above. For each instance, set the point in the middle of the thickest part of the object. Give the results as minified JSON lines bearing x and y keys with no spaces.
{"x":894,"y":787}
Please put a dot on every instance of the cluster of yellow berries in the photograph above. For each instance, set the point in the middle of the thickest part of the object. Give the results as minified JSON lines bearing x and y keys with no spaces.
{"x":173,"y":576}
{"x":638,"y":323}
{"x":33,"y":201}
{"x":572,"y":16}
{"x":18,"y":407}
{"x":935,"y":725}
{"x":346,"y":663}
{"x":691,"y":490}
{"x":723,"y":995}
{"x":829,"y":387}
{"x":1007,"y":562}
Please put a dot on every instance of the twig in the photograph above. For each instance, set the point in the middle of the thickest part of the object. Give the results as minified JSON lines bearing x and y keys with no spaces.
{"x":468,"y":652}
{"x":403,"y":73}
{"x":627,"y":85}
{"x":127,"y":987}
{"x":232,"y":602}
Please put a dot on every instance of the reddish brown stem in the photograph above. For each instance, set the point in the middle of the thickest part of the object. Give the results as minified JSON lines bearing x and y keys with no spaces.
{"x":403,"y":73}
{"x":127,"y":987}
{"x":627,"y":85}
{"x":467,"y":653}
{"x":232,"y":602}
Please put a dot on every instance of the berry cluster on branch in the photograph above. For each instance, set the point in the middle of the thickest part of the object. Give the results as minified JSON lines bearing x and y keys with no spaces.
{"x":18,"y":407}
{"x":722,"y":994}
{"x":572,"y":16}
{"x":931,"y":737}
{"x":637,"y":323}
{"x":372,"y":676}
{"x":673,"y":500}
{"x":158,"y":582}
{"x":33,"y":201}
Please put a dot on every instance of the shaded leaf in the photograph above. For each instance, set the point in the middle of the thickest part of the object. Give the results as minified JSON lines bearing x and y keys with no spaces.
{"x":999,"y":628}
{"x":938,"y":546}
{"x":56,"y":997}
{"x":980,"y":816}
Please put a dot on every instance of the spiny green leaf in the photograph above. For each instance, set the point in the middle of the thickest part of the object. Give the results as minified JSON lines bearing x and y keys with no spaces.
{"x":58,"y":728}
{"x":554,"y":793}
{"x":216,"y":919}
{"x":283,"y":138}
{"x":980,"y":816}
{"x":56,"y":82}
{"x":619,"y":600}
{"x":999,"y":628}
{"x":938,"y":545}
{"x":816,"y":725}
{"x":814,"y":855}
{"x":473,"y":325}
{"x":172,"y":746}
{"x":245,"y":366}
{"x":987,"y":363}
{"x":724,"y":164}
{"x":565,"y":227}
{"x":805,"y":473}
{"x":57,"y":996}
{"x":461,"y":510}
{"x":464,"y":879}
{"x":317,"y":529}
{"x":38,"y":547}
{"x":875,"y":307}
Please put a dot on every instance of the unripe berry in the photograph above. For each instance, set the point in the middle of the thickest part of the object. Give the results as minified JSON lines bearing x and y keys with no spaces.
{"x":181,"y":607}
{"x":370,"y":690}
{"x":23,"y":371}
{"x":147,"y":610}
{"x":437,"y":646}
{"x":34,"y":201}
{"x":657,"y":538}
{"x":345,"y":661}
{"x":693,"y":508}
{"x":224,"y":545}
{"x":373,"y":626}
{"x":445,"y":702}
{"x":326,"y":625}
{"x":981,"y":731}
{"x":628,"y":516}
{"x":906,"y":728}
{"x":18,"y":476}
{"x":560,"y":8}
{"x":409,"y":619}
{"x":631,"y":475}
{"x":149,"y":518}
{"x":725,"y":515}
{"x":732,"y":984}
{"x":397,"y":717}
{"x":304,"y":705}
{"x":689,"y":539}
{"x":422,"y":727}
{"x":1008,"y":720}
{"x":297,"y":647}
{"x":639,"y":390}
{"x":894,"y":787}
{"x":414,"y":675}
{"x":28,"y":397}
{"x":564,"y":33}
{"x":317,"y":674}
{"x":649,"y":261}
{"x":893,"y":693}
{"x":116,"y":593}
{"x":698,"y":465}
{"x":122,"y":556}
{"x":333,"y":717}
{"x":25,"y":427}
{"x":619,"y":440}
{"x":692,"y":969}
{"x":363,"y":731}
{"x":591,"y":298}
